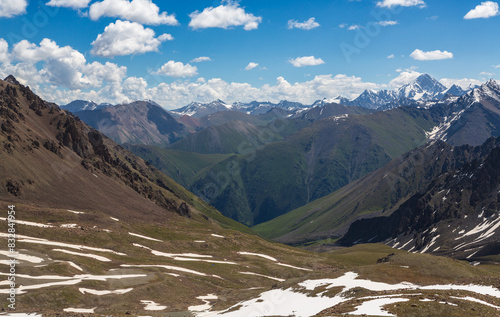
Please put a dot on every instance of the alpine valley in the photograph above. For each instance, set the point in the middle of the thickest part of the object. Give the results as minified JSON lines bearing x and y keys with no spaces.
{"x":383,"y":205}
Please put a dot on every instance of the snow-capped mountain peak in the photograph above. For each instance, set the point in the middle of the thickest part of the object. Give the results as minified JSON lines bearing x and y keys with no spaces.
{"x":424,"y":87}
{"x":489,"y":90}
{"x":337,"y":100}
{"x":81,"y":105}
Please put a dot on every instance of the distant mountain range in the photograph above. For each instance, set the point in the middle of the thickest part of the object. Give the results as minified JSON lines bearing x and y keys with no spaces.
{"x":423,"y":89}
{"x":322,"y":147}
{"x":81,"y":105}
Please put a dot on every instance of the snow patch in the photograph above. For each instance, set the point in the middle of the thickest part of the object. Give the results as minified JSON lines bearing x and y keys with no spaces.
{"x":80,"y":310}
{"x":144,"y":237}
{"x":205,"y":307}
{"x":261,"y":275}
{"x":28,"y":223}
{"x":69,"y":225}
{"x":75,"y":212}
{"x":88,"y":255}
{"x":258,"y":254}
{"x":374,"y":307}
{"x":103,"y":292}
{"x":150,"y":305}
{"x":27,"y":239}
{"x":22,"y":257}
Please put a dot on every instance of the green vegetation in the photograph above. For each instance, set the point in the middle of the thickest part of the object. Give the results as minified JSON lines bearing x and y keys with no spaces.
{"x":311,"y":163}
{"x":181,"y":166}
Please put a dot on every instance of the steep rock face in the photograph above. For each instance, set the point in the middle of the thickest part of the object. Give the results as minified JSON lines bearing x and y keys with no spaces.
{"x":139,"y":122}
{"x":46,"y":152}
{"x":457,"y":214}
{"x":470,"y":119}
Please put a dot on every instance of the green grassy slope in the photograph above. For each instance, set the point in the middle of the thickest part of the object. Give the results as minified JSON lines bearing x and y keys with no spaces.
{"x":181,"y":166}
{"x":377,"y":194}
{"x":309,"y":164}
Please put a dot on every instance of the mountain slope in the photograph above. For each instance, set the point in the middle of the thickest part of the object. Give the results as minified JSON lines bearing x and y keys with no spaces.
{"x":43,"y":145}
{"x":456,"y":215}
{"x":379,"y":193}
{"x":472,"y":118}
{"x":182,"y":166}
{"x":138,"y":122}
{"x":233,"y":137}
{"x":262,"y":183}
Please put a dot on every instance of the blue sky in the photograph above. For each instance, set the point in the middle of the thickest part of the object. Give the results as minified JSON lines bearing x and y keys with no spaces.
{"x":119,"y":50}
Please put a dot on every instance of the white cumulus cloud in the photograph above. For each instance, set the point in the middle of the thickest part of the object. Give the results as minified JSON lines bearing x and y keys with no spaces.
{"x":166,"y":37}
{"x":485,"y":10}
{"x":391,"y":56}
{"x":73,"y":4}
{"x":48,"y":63}
{"x":201,"y":59}
{"x":10,"y":8}
{"x":387,"y":23}
{"x":306,"y":61}
{"x":355,"y":27}
{"x":4,"y":51}
{"x":126,"y":38}
{"x":402,"y":3}
{"x":224,"y":16}
{"x":404,"y":78}
{"x":177,"y":69}
{"x":251,"y":66}
{"x":141,"y":11}
{"x":431,"y":55}
{"x":306,"y":25}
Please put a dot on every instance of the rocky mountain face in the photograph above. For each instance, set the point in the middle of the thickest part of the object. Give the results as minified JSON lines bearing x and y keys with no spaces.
{"x":378,"y":194}
{"x":471,"y":118}
{"x":456,"y":215}
{"x":140,"y":122}
{"x":47,"y":153}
